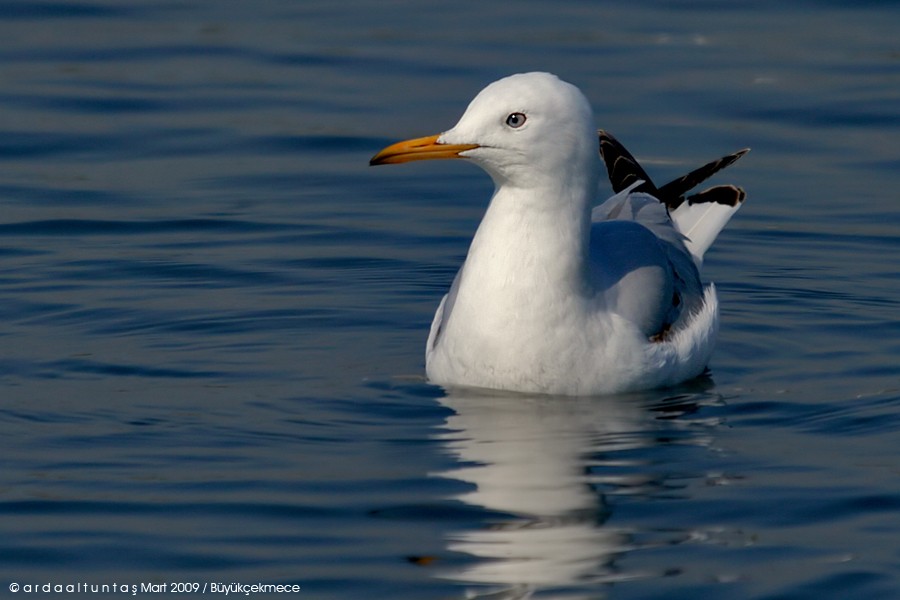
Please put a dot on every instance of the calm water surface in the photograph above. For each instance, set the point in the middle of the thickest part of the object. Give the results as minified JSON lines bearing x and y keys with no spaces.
{"x":214,"y":312}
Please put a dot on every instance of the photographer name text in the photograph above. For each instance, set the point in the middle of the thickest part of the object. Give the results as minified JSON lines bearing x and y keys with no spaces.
{"x":133,"y":589}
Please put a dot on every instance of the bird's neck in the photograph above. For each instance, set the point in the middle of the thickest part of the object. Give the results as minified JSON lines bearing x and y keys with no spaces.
{"x":525,"y":277}
{"x":528,"y":249}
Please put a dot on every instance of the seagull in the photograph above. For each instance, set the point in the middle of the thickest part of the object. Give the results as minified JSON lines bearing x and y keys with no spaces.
{"x":557,"y":296}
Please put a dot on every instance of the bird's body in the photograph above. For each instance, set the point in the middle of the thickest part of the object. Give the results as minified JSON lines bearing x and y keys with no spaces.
{"x":556,"y":296}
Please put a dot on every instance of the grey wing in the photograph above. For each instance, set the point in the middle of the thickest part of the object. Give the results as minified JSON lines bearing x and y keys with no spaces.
{"x":655,"y":280}
{"x":442,"y":314}
{"x":641,"y":264}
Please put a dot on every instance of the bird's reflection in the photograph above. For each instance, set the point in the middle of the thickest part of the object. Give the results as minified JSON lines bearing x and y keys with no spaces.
{"x":533,"y":460}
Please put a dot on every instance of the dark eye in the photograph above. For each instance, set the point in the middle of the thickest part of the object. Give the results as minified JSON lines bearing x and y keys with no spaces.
{"x":515,"y":120}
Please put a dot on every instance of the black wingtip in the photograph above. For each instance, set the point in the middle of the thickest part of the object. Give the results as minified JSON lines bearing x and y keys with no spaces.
{"x":727,"y":195}
{"x":624,"y":170}
{"x":622,"y":167}
{"x":674,"y":192}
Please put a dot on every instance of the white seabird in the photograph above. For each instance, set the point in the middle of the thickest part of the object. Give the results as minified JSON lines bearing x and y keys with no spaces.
{"x":556,"y":296}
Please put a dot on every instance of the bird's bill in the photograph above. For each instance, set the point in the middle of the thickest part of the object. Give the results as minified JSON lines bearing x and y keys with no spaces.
{"x":425,"y":148}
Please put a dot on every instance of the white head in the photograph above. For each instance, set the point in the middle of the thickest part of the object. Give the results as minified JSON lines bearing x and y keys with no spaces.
{"x":526,"y":130}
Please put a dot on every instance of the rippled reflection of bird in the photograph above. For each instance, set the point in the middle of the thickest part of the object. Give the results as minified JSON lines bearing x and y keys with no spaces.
{"x":556,"y":296}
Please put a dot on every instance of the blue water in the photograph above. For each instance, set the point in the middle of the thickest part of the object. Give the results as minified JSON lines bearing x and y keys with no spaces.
{"x":214,"y":311}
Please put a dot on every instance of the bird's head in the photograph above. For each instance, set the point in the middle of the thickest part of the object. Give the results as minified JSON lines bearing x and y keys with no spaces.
{"x":524,"y":130}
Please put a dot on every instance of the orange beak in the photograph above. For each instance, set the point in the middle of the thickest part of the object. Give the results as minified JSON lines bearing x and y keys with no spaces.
{"x":425,"y":148}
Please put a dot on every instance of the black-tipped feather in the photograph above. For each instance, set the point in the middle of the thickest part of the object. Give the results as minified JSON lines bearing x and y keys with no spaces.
{"x":729,"y":195}
{"x":624,"y":170}
{"x":622,"y":167}
{"x":677,"y":188}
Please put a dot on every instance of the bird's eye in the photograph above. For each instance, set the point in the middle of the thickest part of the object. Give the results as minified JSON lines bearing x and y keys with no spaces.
{"x":515,"y":120}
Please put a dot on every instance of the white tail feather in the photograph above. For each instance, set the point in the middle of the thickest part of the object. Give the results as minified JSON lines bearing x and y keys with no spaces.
{"x":701,"y":224}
